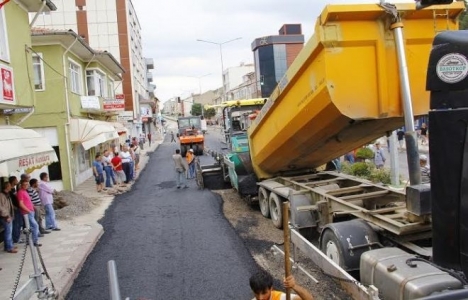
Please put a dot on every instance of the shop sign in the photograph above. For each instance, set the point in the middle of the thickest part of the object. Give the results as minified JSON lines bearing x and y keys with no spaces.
{"x":90,"y":102}
{"x":113,"y":104}
{"x":7,"y":87}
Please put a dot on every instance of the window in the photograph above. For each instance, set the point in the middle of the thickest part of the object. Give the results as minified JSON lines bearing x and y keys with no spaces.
{"x":96,"y":83}
{"x":110,"y":88}
{"x":38,"y":69}
{"x":4,"y":53}
{"x":75,"y":78}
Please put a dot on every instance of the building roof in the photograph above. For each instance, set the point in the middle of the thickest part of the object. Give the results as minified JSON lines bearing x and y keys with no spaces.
{"x":70,"y":39}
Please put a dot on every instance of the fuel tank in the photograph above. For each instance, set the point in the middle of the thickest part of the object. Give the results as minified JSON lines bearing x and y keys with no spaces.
{"x":343,"y":89}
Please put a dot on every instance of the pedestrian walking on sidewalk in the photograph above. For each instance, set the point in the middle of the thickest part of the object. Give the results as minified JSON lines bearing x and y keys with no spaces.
{"x":7,"y":213}
{"x":149,"y":138}
{"x":27,"y":209}
{"x":379,"y":157}
{"x":181,"y":167}
{"x":172,"y":137}
{"x":46,"y":193}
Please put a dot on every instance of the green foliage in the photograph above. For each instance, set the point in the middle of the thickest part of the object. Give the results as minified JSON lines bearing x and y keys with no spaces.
{"x":367,"y":171}
{"x":196,"y":109}
{"x":463,"y":21}
{"x":364,"y":153}
{"x":209,"y":113}
{"x":361,"y":169}
{"x":380,"y":175}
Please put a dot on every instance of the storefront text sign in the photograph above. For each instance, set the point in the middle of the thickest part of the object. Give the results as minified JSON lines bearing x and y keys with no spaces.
{"x":34,"y":160}
{"x":90,"y":102}
{"x":114,"y":104}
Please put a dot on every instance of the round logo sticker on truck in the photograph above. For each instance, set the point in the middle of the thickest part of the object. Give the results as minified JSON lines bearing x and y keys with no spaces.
{"x":452,"y":68}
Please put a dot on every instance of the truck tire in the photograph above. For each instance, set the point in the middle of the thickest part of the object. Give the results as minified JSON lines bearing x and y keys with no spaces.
{"x":332,"y":248}
{"x":195,"y":150}
{"x":339,"y":240}
{"x":276,"y":210}
{"x":263,"y":202}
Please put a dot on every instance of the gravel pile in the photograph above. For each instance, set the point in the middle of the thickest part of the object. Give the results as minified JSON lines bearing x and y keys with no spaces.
{"x":77,"y":205}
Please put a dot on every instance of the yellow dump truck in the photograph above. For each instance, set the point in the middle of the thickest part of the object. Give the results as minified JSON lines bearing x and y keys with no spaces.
{"x":360,"y":76}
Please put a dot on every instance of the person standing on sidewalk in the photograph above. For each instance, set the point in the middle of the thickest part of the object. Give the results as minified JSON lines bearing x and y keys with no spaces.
{"x":118,"y":170}
{"x":106,"y":162}
{"x":126,"y":165}
{"x":181,"y":167}
{"x":46,"y":193}
{"x":27,"y":209}
{"x":379,"y":157}
{"x":7,"y":213}
{"x":38,"y":206}
{"x":18,"y":221}
{"x":425,"y":169}
{"x":98,"y":172}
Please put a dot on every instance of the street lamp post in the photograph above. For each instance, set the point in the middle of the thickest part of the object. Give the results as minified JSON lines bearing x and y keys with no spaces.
{"x":221,"y":55}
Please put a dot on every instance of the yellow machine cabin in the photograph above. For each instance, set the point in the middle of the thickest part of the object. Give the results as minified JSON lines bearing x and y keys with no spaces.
{"x":343,"y":89}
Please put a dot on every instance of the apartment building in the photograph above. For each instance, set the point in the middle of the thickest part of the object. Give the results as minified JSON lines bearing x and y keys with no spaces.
{"x":274,"y":54}
{"x":109,"y":25}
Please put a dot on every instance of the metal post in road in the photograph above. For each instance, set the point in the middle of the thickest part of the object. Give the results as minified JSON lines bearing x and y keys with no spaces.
{"x":394,"y":160}
{"x":114,"y":288}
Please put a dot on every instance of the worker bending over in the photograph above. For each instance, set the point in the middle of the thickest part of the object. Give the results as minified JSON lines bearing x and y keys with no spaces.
{"x":261,"y":284}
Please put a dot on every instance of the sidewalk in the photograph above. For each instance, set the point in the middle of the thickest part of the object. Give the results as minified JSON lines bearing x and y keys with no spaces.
{"x":65,"y":251}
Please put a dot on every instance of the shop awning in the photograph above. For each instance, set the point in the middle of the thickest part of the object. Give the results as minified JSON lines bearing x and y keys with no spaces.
{"x":23,"y":149}
{"x":91,"y":133}
{"x":120,"y":127}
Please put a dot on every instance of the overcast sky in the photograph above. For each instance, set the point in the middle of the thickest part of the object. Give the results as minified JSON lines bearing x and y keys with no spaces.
{"x":170,"y":30}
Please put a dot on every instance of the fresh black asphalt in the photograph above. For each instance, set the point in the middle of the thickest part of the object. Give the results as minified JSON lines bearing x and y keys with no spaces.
{"x":167,"y":243}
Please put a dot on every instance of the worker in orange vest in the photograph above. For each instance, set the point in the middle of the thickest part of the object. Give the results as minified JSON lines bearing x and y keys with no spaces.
{"x":190,"y":157}
{"x":262,"y":287}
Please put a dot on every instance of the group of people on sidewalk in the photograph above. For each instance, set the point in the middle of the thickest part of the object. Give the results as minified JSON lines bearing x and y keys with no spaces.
{"x":28,"y":199}
{"x":119,"y":167}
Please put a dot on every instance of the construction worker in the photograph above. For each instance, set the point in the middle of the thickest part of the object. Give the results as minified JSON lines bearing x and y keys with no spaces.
{"x":261,"y":284}
{"x":190,"y":157}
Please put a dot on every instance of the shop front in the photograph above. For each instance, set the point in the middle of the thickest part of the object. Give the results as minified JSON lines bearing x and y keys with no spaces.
{"x":90,"y":137}
{"x":23,"y":151}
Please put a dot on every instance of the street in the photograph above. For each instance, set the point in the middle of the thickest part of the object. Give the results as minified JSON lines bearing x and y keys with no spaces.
{"x":167,"y":243}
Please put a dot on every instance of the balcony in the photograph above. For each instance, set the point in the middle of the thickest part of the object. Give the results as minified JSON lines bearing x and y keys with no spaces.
{"x":102,"y":106}
{"x":149,"y":76}
{"x":149,"y":63}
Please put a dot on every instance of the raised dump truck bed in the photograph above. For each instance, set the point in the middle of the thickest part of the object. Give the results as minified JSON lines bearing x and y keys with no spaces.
{"x":343,"y":89}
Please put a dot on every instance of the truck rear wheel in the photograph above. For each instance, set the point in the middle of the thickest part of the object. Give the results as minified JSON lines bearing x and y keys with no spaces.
{"x":345,"y":242}
{"x":276,"y":212}
{"x":263,"y":202}
{"x":332,"y":248}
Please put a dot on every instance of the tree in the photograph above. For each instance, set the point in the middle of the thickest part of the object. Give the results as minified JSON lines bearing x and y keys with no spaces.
{"x":196,"y":109}
{"x":209,"y":113}
{"x":464,"y":18}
